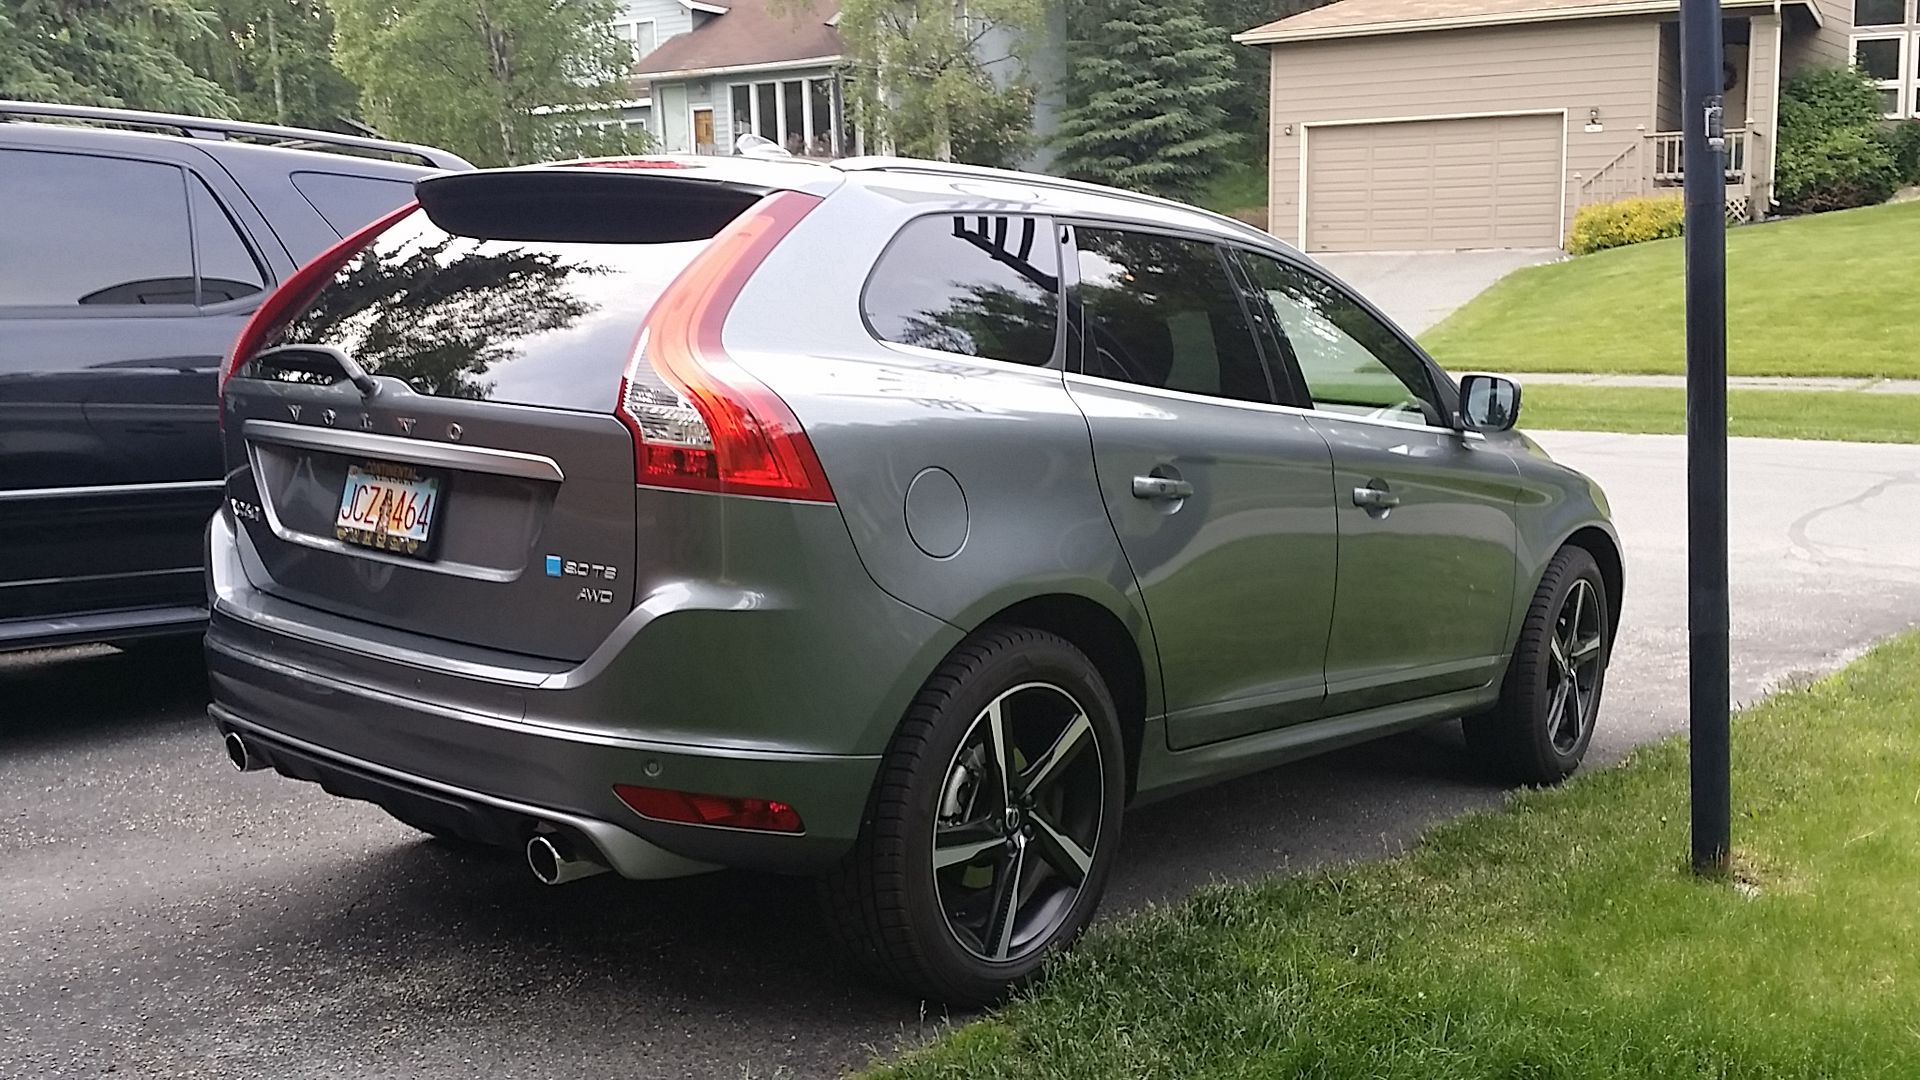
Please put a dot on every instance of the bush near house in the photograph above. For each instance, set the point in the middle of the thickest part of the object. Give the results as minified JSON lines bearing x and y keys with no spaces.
{"x":1835,"y":149}
{"x":1627,"y":221}
{"x":1905,"y":141}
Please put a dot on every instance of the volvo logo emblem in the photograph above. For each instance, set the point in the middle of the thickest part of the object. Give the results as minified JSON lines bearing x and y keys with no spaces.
{"x":366,"y":421}
{"x":454,"y":432}
{"x":295,"y":410}
{"x":406,"y":424}
{"x":327,"y":418}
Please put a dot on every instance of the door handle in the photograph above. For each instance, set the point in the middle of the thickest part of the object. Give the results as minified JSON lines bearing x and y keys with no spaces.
{"x":1161,"y":487}
{"x":1373,"y":498}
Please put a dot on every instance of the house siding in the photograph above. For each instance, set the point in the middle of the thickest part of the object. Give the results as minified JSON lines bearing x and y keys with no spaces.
{"x":1808,"y":46}
{"x":1608,"y":64}
{"x":670,"y":18}
{"x":1666,"y":111}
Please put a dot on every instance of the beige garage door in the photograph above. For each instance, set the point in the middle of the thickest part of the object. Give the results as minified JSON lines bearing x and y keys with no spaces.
{"x":1491,"y":182}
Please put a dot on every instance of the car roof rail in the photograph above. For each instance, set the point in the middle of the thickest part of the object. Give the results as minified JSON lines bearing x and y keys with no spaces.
{"x":206,"y":127}
{"x":874,"y":163}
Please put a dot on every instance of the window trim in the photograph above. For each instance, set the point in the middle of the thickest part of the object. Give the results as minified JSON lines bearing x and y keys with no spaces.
{"x":1077,"y":312}
{"x":633,"y":43}
{"x":1058,"y":361}
{"x":1906,"y":82}
{"x":1446,"y":392}
{"x":808,"y":121}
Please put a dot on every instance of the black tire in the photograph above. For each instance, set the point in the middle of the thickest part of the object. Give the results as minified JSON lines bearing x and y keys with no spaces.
{"x":1525,"y":737}
{"x":900,"y":913}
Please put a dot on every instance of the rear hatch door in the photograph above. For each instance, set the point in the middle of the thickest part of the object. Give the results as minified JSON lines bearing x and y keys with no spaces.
{"x":483,"y":491}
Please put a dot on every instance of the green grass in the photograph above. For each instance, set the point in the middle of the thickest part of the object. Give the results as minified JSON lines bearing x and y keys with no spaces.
{"x":1849,"y":416}
{"x":1830,"y":294}
{"x":1239,"y":190}
{"x":1559,"y":938}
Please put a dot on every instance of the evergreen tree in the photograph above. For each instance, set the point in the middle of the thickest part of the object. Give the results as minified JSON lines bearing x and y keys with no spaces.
{"x":107,"y":52}
{"x":1145,"y":87}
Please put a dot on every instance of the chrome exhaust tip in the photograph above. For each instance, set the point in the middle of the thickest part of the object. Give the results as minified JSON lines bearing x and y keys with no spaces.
{"x":237,"y":752}
{"x":555,"y":860}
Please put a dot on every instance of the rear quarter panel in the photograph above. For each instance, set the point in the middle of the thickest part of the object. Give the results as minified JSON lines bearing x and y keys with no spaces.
{"x":879,"y":415}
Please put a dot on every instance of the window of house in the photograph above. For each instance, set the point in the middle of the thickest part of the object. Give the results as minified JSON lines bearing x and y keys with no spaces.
{"x":101,"y":231}
{"x":1351,"y":361}
{"x":637,"y":33}
{"x":1887,"y":50}
{"x":986,"y":286}
{"x":798,"y":114}
{"x":1162,"y":311}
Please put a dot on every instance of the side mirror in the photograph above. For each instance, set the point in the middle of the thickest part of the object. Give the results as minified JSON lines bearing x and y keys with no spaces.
{"x":1488,"y":403}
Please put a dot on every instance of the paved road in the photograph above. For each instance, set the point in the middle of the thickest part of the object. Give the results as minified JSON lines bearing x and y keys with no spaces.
{"x":164,"y":916}
{"x":1419,"y":288}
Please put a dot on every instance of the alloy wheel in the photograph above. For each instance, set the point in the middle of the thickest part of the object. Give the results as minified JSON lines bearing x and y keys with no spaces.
{"x":1019,"y":821}
{"x":1574,"y":678}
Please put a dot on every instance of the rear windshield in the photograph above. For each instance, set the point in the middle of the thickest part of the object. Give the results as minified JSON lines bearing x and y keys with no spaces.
{"x":516,"y":321}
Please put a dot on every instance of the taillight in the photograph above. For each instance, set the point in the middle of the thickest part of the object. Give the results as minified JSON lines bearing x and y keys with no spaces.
{"x":688,"y":808}
{"x":698,"y":419}
{"x":295,"y":293}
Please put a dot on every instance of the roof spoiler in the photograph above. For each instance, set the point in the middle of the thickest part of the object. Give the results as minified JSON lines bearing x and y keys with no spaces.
{"x":609,"y":204}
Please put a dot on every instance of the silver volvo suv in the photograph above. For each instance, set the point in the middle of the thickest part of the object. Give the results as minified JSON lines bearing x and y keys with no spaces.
{"x":891,"y":522}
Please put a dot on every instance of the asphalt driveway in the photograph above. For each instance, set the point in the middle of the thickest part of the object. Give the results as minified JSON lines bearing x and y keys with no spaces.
{"x":1419,"y":288}
{"x":164,"y":916}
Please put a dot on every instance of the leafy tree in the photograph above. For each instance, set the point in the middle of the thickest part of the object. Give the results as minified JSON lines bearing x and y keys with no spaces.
{"x":107,"y":52}
{"x":1146,"y":86}
{"x":923,"y":81}
{"x":275,"y":59}
{"x":500,"y":82}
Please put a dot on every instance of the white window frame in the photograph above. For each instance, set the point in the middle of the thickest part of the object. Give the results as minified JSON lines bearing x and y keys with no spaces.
{"x":811,"y":127}
{"x":1906,"y":84}
{"x":628,"y":30}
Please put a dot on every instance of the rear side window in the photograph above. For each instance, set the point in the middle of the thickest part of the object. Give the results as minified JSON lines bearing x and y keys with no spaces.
{"x":77,"y":229}
{"x":349,"y":202}
{"x":1161,"y":311}
{"x":986,"y":286}
{"x":80,"y":229}
{"x":527,"y":322}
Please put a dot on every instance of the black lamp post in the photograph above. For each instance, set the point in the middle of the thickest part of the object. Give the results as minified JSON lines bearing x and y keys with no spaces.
{"x":1703,"y":145}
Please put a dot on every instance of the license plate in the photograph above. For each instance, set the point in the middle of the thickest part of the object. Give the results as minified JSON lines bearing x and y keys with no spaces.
{"x":388,"y":507}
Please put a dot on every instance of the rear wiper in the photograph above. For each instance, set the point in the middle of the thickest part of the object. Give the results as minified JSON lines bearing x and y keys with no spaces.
{"x":348,"y":366}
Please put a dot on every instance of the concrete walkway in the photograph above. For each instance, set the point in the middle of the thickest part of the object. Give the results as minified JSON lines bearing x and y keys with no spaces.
{"x":1736,"y":382}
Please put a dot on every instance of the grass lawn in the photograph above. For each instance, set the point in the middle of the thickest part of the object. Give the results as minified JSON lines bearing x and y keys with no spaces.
{"x":1239,"y":190}
{"x":1560,"y":937}
{"x":1829,"y":294}
{"x":1772,"y":414}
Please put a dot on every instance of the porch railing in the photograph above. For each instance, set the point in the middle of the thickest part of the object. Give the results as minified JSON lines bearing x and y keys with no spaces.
{"x":1667,"y":156}
{"x":1617,"y":179}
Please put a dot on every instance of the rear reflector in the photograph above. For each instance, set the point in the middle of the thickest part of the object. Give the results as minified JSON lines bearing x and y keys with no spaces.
{"x":687,"y":808}
{"x":698,"y":419}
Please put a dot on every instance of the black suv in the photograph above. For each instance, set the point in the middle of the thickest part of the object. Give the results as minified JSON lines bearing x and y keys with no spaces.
{"x":133,"y":247}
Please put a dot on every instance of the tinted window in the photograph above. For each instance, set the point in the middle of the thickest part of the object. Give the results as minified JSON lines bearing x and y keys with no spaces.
{"x":981,"y":286}
{"x":528,"y":322}
{"x":1352,"y":362}
{"x":349,"y":202}
{"x":1161,"y":311}
{"x":78,"y":229}
{"x":227,"y":269}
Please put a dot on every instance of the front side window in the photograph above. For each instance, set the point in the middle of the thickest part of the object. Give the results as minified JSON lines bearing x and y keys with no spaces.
{"x":1161,"y":311}
{"x":1353,"y":363}
{"x":986,"y":286}
{"x":228,"y":270}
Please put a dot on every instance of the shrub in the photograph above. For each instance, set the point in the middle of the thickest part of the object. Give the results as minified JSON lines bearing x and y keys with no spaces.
{"x":1628,"y":221}
{"x":1834,"y":150}
{"x":1904,"y":141}
{"x":1840,"y":169}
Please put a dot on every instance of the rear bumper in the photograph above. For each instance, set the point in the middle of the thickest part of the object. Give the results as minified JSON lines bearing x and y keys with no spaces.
{"x":497,"y":780}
